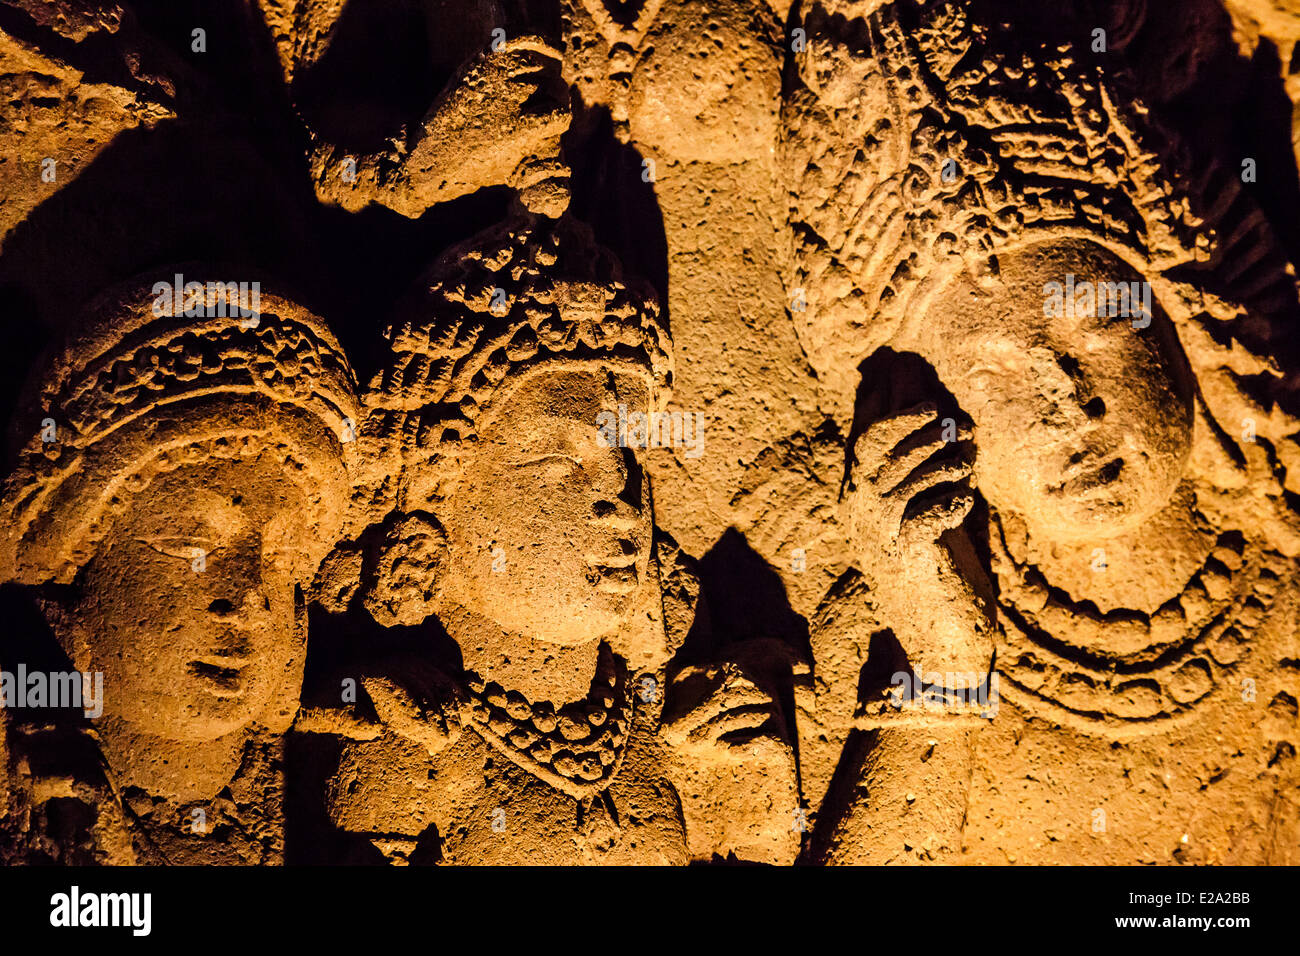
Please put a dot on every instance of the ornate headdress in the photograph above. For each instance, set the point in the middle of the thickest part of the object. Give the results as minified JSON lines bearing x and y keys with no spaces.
{"x":144,"y":388}
{"x":922,"y":141}
{"x":529,"y":291}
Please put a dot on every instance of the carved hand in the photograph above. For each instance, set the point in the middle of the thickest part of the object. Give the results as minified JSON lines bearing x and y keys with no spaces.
{"x":897,"y":509}
{"x":730,"y":752}
{"x":498,"y":122}
{"x":909,"y":488}
{"x":421,"y":705}
{"x":512,"y":99}
{"x":721,"y":710}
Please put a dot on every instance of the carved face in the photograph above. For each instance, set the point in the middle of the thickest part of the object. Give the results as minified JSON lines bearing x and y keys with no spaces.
{"x":1083,"y":422}
{"x":190,"y":601}
{"x":548,"y":533}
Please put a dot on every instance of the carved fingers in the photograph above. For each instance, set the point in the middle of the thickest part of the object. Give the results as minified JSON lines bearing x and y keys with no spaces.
{"x":928,"y":522}
{"x":720,"y":709}
{"x":910,"y":480}
{"x":521,"y":80}
{"x":422,"y":707}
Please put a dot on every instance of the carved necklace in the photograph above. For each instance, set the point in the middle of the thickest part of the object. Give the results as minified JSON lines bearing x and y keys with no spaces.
{"x":578,"y":748}
{"x":1188,"y":648}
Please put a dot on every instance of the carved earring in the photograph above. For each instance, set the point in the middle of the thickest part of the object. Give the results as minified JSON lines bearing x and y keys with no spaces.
{"x":408,"y":568}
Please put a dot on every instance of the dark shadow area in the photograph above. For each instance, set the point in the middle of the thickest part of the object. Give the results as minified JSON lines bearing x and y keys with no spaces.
{"x":180,"y":192}
{"x":370,"y":260}
{"x":30,"y":642}
{"x":745,"y":600}
{"x":611,"y":195}
{"x":383,"y":69}
{"x":885,"y":658}
{"x":1239,"y":113}
{"x":1262,"y":124}
{"x":624,"y":12}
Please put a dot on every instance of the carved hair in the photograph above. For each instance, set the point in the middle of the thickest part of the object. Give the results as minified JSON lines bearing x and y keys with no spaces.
{"x":526,"y":293}
{"x":1039,"y":146}
{"x":140,"y":390}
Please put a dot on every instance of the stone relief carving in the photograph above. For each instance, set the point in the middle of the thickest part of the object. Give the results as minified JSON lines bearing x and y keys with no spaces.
{"x":178,"y":480}
{"x":1133,"y":536}
{"x":956,"y":352}
{"x":497,"y":377}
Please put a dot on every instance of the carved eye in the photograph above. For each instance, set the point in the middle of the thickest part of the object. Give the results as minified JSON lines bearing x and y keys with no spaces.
{"x":553,"y":467}
{"x":182,"y":547}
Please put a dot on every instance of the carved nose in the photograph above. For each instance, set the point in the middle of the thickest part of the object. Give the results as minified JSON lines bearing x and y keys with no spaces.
{"x":1092,"y":405}
{"x":249,"y":601}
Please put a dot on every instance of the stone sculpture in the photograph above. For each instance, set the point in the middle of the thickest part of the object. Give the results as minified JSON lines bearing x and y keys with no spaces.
{"x":521,"y":518}
{"x":182,"y":469}
{"x":1058,"y":279}
{"x":960,"y":357}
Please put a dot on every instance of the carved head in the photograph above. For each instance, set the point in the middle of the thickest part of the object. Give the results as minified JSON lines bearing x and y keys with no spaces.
{"x":1083,"y":419}
{"x":499,"y":396}
{"x":196,"y":478}
{"x":549,"y":530}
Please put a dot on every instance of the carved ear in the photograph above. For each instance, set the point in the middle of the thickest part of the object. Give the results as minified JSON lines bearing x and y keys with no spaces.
{"x":281,"y":710}
{"x":408,"y":564}
{"x":672,"y":597}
